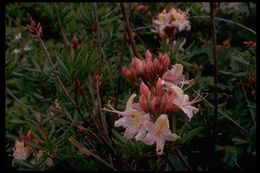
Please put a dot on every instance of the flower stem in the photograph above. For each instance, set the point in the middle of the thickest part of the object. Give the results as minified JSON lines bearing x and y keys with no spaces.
{"x":128,"y":28}
{"x":214,"y":56}
{"x":65,"y":41}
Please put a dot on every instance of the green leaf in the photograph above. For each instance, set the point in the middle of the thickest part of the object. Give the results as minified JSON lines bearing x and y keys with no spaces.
{"x":187,"y":137}
{"x":118,"y":136}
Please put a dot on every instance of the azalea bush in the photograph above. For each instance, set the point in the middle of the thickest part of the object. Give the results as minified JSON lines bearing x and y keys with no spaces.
{"x":130,"y":86}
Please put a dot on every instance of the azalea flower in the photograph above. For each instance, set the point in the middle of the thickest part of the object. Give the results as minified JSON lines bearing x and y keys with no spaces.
{"x":180,"y":19}
{"x":174,"y":75}
{"x":159,"y":132}
{"x":167,"y":22}
{"x":182,"y":100}
{"x":20,"y":151}
{"x":163,"y":21}
{"x":128,"y":110}
{"x":133,"y":119}
{"x":134,"y":125}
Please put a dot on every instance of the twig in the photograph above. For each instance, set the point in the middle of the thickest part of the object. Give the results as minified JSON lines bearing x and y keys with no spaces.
{"x":128,"y":28}
{"x":23,"y":104}
{"x":66,"y":45}
{"x":84,"y":98}
{"x":121,"y":59}
{"x":183,"y":159}
{"x":247,"y":101}
{"x":224,"y":114}
{"x":19,"y":101}
{"x":87,"y":152}
{"x":101,"y":51}
{"x":58,"y":78}
{"x":214,"y":56}
{"x":228,"y":21}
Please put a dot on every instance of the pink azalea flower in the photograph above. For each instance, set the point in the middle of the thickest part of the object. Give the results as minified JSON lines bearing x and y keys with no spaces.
{"x":159,"y":132}
{"x":20,"y":151}
{"x":180,"y":19}
{"x":182,"y":100}
{"x":134,"y":125}
{"x":163,"y":21}
{"x":128,"y":110}
{"x":132,"y":120}
{"x":174,"y":75}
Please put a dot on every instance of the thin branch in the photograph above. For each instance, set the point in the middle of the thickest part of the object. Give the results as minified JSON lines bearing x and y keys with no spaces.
{"x":87,"y":152}
{"x":58,"y":78}
{"x":65,"y":41}
{"x":22,"y":103}
{"x":128,"y":28}
{"x":121,"y":59}
{"x":247,"y":101}
{"x":183,"y":159}
{"x":224,"y":114}
{"x":228,"y":21}
{"x":101,"y":51}
{"x":214,"y":56}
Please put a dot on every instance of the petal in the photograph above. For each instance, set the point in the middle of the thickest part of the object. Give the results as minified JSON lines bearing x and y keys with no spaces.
{"x":190,"y":111}
{"x":119,"y":122}
{"x":140,"y":134}
{"x":170,"y":136}
{"x":129,"y":133}
{"x":130,"y":102}
{"x":162,"y":123}
{"x":160,"y":142}
{"x":149,"y":139}
{"x":149,"y":126}
{"x":127,"y":122}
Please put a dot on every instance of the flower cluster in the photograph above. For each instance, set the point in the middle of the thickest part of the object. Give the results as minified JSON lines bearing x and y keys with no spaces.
{"x":22,"y":151}
{"x":161,"y":92}
{"x":168,"y":23}
{"x":148,"y":70}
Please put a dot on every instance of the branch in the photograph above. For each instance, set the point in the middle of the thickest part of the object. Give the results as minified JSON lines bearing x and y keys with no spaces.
{"x":100,"y":50}
{"x":87,"y":152}
{"x":248,"y":104}
{"x":224,"y":114}
{"x":128,"y":28}
{"x":19,"y":101}
{"x":60,"y":28}
{"x":214,"y":56}
{"x":183,"y":159}
{"x":58,"y":78}
{"x":228,"y":21}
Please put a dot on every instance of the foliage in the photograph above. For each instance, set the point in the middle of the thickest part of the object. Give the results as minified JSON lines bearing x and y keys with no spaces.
{"x":91,"y":75}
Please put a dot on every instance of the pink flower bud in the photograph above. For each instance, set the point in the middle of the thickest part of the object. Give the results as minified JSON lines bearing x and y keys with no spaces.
{"x":144,"y":103}
{"x":165,"y":62}
{"x":154,"y":105}
{"x":144,"y":90}
{"x":159,"y":87}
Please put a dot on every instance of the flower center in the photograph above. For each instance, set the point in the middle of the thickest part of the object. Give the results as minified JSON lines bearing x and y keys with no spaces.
{"x":137,"y":117}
